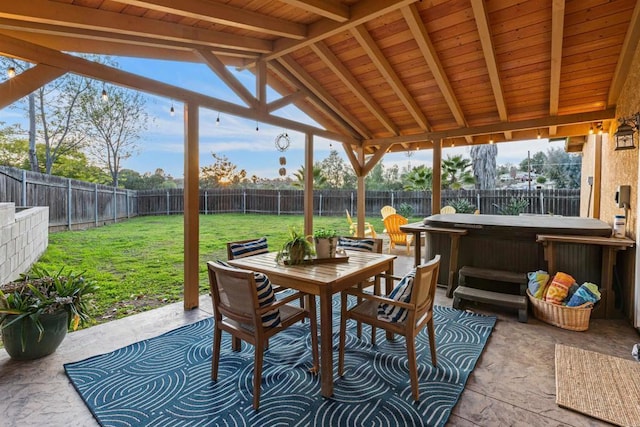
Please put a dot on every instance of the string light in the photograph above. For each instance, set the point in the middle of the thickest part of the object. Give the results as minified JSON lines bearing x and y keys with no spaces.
{"x":591,"y":130}
{"x":218,"y":119}
{"x":539,"y":136}
{"x":257,"y":128}
{"x":11,"y":72}
{"x":490,"y":139}
{"x":105,"y":97}
{"x":172,"y":111}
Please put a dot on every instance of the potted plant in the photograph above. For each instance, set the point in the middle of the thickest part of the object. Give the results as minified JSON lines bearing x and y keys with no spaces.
{"x":326,"y":241}
{"x":37,"y":310}
{"x":296,"y":249}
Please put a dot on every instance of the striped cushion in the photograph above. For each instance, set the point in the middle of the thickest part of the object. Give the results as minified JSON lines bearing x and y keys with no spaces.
{"x":266,"y":296}
{"x":402,"y":292}
{"x":363,"y":245}
{"x":254,"y":247}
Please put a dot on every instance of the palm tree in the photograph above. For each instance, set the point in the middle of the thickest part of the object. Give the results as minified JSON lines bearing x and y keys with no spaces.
{"x":318,"y":179}
{"x":419,"y":178}
{"x":456,"y":172}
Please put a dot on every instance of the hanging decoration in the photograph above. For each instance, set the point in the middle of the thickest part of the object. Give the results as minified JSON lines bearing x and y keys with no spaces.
{"x":283,"y":161}
{"x":282,"y":142}
{"x":282,"y":171}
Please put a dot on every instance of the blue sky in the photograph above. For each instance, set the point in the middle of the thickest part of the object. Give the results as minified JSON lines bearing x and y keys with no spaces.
{"x":162,"y":146}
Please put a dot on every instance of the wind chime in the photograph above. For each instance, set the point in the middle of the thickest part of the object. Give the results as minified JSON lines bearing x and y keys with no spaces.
{"x":282,"y":143}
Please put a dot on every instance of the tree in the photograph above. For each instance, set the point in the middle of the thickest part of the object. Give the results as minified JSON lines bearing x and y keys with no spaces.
{"x":456,"y":173}
{"x":221,"y":173}
{"x":563,"y":168}
{"x":335,"y":171}
{"x":420,"y":178}
{"x":484,"y":165}
{"x":538,"y":161}
{"x":382,"y":178}
{"x":116,"y":125}
{"x":318,"y":180}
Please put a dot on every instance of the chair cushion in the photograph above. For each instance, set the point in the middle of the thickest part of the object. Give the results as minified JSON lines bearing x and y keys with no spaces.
{"x":266,"y":296}
{"x":363,"y":245}
{"x":402,"y":292}
{"x":254,"y":247}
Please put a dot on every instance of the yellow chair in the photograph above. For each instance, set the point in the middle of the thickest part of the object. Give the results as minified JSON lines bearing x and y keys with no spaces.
{"x":353,"y":227}
{"x":387,"y":210}
{"x":392,"y":224}
{"x":448,"y":210}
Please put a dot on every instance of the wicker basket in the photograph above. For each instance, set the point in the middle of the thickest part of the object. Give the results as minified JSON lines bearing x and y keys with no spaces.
{"x":572,"y":318}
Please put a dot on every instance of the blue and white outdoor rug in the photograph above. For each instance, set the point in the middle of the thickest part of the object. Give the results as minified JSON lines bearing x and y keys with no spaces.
{"x":166,"y":380}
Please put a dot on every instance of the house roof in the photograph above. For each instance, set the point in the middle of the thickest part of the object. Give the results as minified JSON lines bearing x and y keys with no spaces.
{"x":378,"y":75}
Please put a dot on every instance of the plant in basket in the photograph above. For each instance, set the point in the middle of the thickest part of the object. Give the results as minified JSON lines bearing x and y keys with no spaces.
{"x":37,"y":310}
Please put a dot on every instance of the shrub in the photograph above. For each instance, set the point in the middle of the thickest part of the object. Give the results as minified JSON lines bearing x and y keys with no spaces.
{"x":514,"y":207}
{"x":462,"y":206}
{"x":405,"y":209}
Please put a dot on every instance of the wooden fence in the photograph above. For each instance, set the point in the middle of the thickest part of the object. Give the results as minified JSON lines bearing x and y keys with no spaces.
{"x":76,"y":204}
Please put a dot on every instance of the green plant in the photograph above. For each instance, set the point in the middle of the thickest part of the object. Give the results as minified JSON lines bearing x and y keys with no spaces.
{"x":296,"y":248}
{"x":405,"y":209}
{"x":462,"y":206}
{"x":39,"y":292}
{"x":514,"y":207}
{"x":325,"y":233}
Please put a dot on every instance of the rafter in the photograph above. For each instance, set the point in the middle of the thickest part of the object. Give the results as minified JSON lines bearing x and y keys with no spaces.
{"x":220,"y":13}
{"x":482,"y":22}
{"x":284,"y":74}
{"x":225,"y":75}
{"x":86,"y":20}
{"x":329,"y":9}
{"x":26,"y":82}
{"x":420,"y":35}
{"x":631,"y":40}
{"x":311,"y":84}
{"x":557,"y":30}
{"x":382,"y":64}
{"x":29,"y":52}
{"x":343,"y":73}
{"x":361,"y":12}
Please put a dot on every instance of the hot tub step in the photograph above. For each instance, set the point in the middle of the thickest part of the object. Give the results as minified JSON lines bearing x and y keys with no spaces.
{"x":493,"y":275}
{"x":466,"y":293}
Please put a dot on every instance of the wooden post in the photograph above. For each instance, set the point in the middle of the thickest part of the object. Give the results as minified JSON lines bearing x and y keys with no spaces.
{"x":191,"y":198}
{"x":597,"y":177}
{"x":437,"y":177}
{"x":308,"y":185}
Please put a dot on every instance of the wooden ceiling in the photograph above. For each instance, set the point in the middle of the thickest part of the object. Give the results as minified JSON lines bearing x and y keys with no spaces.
{"x":378,"y":75}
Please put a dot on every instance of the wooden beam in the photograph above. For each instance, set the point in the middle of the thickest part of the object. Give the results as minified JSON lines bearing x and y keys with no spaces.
{"x":361,"y":12}
{"x":223,"y":14}
{"x":629,"y":47}
{"x":361,"y":196}
{"x":88,"y":20}
{"x":284,"y":101}
{"x":225,"y":75}
{"x":535,"y":124}
{"x":191,"y":207}
{"x":329,"y":9}
{"x":436,"y":182}
{"x":416,"y":26}
{"x":351,"y":156}
{"x":486,"y":40}
{"x":343,"y":73}
{"x":261,"y":86}
{"x":557,"y":31}
{"x":597,"y":177}
{"x":10,"y":46}
{"x":26,"y":82}
{"x":314,"y":87}
{"x":308,"y":184}
{"x":384,"y":67}
{"x":284,"y":74}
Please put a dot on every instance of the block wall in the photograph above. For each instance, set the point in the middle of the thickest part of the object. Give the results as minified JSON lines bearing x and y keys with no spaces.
{"x":24,"y":236}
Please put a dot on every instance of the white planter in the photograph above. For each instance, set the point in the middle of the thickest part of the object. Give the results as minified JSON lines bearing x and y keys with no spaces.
{"x":325,"y":247}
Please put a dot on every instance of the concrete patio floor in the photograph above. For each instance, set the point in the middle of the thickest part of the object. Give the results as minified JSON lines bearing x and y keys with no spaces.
{"x":512,"y":384}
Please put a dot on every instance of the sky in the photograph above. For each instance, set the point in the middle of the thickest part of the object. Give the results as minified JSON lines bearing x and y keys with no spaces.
{"x":162,"y":145}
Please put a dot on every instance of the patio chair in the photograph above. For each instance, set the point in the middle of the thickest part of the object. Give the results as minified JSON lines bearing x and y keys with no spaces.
{"x":353,"y":227}
{"x":406,"y":311}
{"x":448,"y":210}
{"x":387,"y":210}
{"x":364,"y":244}
{"x":245,"y":248}
{"x":241,"y":309}
{"x":392,"y":224}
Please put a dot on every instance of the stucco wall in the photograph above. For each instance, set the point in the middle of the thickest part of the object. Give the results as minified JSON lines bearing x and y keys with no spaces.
{"x":24,"y":236}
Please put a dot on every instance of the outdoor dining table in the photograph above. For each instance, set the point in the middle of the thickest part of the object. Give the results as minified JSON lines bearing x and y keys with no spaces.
{"x":322,"y":279}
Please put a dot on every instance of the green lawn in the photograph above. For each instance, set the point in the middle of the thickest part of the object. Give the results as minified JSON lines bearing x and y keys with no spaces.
{"x":138,"y":263}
